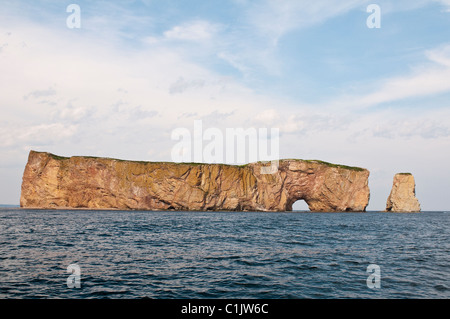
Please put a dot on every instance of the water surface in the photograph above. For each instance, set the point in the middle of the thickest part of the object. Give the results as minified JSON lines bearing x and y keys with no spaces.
{"x":223,"y":254}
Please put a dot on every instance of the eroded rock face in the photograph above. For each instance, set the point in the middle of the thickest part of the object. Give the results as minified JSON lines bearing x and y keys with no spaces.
{"x":50,"y":181}
{"x":403,"y":195}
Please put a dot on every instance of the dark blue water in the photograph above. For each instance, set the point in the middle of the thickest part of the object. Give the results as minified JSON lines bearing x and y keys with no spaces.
{"x":223,"y":254}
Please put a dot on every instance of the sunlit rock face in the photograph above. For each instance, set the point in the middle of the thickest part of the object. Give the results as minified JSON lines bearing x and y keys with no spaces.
{"x":403,"y":195}
{"x":54,"y":182}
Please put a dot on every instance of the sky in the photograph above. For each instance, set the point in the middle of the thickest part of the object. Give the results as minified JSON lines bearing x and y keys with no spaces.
{"x":134,"y":71}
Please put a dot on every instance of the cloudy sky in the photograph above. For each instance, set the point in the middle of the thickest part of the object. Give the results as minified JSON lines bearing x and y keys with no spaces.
{"x":134,"y":71}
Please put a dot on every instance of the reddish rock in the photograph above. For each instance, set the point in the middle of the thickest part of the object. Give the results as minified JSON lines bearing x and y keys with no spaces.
{"x":403,"y":195}
{"x":51,"y":181}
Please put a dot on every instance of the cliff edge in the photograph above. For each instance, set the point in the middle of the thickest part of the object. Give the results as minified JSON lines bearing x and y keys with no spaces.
{"x":55,"y":182}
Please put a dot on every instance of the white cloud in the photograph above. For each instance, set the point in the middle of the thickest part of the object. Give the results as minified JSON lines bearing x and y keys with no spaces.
{"x":43,"y":134}
{"x":182,"y":85}
{"x":423,"y":83}
{"x":426,"y":79}
{"x":40,"y":93}
{"x":236,"y":61}
{"x":72,"y":113}
{"x":445,"y":3}
{"x":273,"y":19}
{"x":402,"y":126}
{"x":267,"y":117}
{"x":440,"y":55}
{"x":193,"y":31}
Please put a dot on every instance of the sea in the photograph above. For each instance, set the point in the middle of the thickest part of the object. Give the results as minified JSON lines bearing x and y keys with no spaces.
{"x":76,"y":254}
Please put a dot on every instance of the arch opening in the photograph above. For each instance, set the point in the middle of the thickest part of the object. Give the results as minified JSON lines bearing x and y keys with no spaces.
{"x":300,"y":206}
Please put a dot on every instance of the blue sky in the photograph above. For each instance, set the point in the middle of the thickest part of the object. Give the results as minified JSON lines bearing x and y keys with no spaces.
{"x":136,"y":70}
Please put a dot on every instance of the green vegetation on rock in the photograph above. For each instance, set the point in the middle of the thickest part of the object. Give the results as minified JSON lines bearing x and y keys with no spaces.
{"x":359,"y":169}
{"x":56,"y":157}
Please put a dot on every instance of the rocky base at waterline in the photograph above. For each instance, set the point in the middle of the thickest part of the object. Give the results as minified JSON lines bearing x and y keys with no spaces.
{"x":403,"y":195}
{"x":55,"y":182}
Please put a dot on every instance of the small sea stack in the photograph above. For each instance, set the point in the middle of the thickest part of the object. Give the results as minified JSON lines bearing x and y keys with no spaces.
{"x":403,"y":195}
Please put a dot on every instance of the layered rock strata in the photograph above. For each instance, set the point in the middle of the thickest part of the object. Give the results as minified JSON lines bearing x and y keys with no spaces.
{"x":403,"y":195}
{"x":54,"y":182}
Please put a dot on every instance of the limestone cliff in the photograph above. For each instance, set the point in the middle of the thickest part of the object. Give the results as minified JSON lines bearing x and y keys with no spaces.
{"x":403,"y":195}
{"x":50,"y":181}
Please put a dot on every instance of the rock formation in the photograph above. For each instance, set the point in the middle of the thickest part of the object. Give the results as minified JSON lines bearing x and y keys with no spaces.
{"x":403,"y":195}
{"x":50,"y":181}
